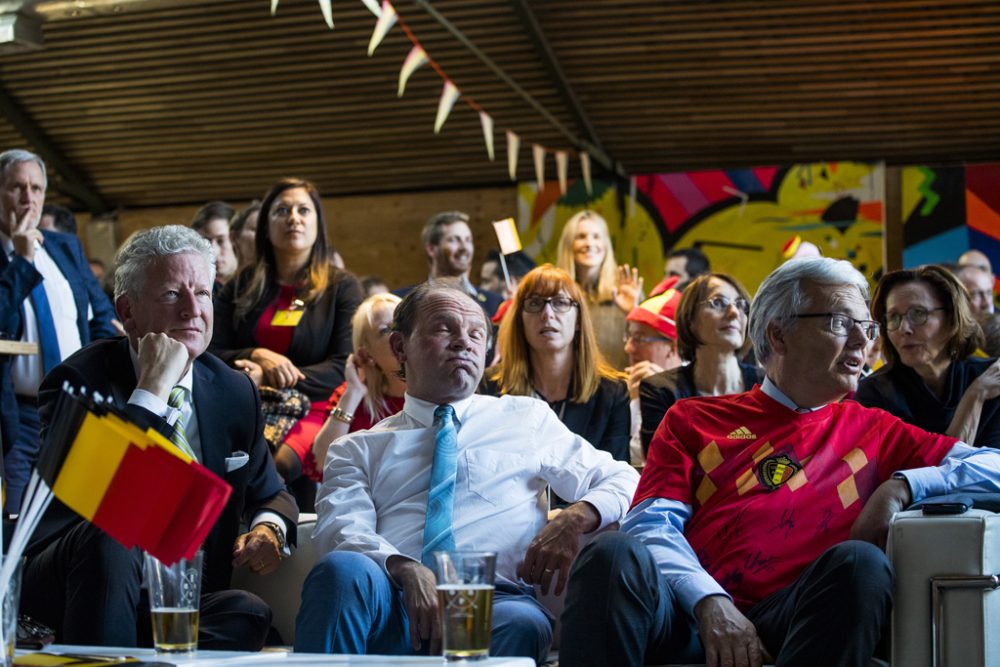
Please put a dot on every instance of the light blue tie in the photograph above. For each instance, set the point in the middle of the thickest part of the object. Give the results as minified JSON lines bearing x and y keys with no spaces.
{"x":438,"y":534}
{"x":47,"y":338}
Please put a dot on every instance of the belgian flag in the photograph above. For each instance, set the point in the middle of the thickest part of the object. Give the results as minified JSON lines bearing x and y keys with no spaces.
{"x":135,"y":485}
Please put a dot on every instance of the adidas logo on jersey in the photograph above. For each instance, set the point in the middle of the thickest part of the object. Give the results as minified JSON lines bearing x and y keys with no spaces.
{"x":742,"y":433}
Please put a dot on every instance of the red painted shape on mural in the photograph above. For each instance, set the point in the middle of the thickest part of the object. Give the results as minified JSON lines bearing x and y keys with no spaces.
{"x":711,"y":183}
{"x":980,"y":216}
{"x":670,"y":209}
{"x":871,"y":211}
{"x":982,"y":180}
{"x":766,"y":176}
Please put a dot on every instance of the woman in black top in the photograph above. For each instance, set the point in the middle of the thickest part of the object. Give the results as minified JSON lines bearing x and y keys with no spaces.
{"x":930,"y":378}
{"x":548,"y":349}
{"x":712,"y":338}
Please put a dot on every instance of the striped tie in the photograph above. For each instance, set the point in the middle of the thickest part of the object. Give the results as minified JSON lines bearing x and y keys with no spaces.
{"x":178,"y":400}
{"x":438,"y":535}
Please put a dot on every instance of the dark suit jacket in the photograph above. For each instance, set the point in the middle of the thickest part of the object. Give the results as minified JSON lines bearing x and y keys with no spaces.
{"x":604,"y":421}
{"x":658,"y":392}
{"x":17,"y":278}
{"x":901,"y":392}
{"x":320,"y":343}
{"x":229,"y":420}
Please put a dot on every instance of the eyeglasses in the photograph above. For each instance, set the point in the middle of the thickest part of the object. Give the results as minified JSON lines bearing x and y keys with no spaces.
{"x":915,"y":316}
{"x":560,"y":304}
{"x":721,"y":304}
{"x":638,"y":339}
{"x":840,"y":324}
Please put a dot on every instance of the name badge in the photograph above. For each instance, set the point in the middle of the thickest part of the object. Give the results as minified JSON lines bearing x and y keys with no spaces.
{"x":287,"y":318}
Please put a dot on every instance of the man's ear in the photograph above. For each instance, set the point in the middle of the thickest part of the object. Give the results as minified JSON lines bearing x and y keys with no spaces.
{"x":364,"y":356}
{"x":431,"y":251}
{"x":123,"y":307}
{"x":396,"y":344}
{"x":776,"y":337}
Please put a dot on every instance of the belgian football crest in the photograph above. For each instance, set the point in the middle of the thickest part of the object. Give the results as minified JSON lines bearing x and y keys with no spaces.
{"x":775,"y":470}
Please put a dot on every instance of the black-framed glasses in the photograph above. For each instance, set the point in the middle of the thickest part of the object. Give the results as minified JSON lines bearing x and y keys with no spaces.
{"x":840,"y":324}
{"x":721,"y":303}
{"x":560,"y":304}
{"x":915,"y":316}
{"x":638,"y":338}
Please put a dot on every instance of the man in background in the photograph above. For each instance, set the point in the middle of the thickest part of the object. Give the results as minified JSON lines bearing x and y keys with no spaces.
{"x":212,"y":222}
{"x":686,"y":264}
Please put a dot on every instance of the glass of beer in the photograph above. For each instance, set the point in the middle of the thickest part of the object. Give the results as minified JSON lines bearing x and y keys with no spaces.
{"x":465,"y":602}
{"x":174,"y":596}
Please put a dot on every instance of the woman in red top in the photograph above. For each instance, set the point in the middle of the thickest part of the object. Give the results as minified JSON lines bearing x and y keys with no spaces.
{"x":373,"y":389}
{"x":290,"y":313}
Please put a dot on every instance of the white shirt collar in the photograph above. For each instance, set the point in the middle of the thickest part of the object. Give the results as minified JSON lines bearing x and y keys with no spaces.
{"x":771,"y":389}
{"x":423,"y":411}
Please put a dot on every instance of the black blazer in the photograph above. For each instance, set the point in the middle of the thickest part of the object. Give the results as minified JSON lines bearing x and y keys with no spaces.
{"x":229,"y":420}
{"x":604,"y":421}
{"x":901,"y":392}
{"x":660,"y":391}
{"x":320,"y":343}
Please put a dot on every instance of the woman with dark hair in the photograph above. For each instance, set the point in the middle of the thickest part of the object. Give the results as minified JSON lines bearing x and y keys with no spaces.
{"x":289,"y":315}
{"x":712,"y":339}
{"x":548,"y":350}
{"x":930,"y":378}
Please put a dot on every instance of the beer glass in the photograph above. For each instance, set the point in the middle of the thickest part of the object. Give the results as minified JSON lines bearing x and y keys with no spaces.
{"x":465,"y":602}
{"x":174,"y":596}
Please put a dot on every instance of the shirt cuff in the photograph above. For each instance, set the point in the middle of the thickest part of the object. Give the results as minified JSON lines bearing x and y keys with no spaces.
{"x":155,"y":404}
{"x":271,"y":517}
{"x":381,"y":558}
{"x":608,"y":505}
{"x":693,"y":588}
{"x":924,"y":482}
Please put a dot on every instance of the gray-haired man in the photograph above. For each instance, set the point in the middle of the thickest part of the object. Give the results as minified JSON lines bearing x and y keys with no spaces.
{"x":758,"y":523}
{"x":77,"y":579}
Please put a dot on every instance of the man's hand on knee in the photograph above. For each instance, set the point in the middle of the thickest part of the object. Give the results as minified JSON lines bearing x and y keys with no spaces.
{"x":728,"y":636}
{"x":872,"y":525}
{"x":419,"y":600}
{"x":552,"y":551}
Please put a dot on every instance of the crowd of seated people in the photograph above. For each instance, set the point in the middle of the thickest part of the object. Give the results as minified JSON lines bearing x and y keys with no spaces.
{"x":443,"y":417}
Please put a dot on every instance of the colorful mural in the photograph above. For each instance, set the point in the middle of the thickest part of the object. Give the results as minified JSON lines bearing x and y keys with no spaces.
{"x":739,"y":218}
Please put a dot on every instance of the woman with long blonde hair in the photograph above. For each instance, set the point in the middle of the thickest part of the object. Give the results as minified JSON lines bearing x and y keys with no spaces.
{"x":587,"y":255}
{"x":548,"y":350}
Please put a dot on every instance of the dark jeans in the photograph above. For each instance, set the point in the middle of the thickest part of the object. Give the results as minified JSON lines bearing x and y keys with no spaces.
{"x":620,"y":610}
{"x":87,"y":587}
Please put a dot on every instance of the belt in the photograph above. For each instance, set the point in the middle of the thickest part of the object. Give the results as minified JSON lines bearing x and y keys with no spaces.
{"x":30,"y":400}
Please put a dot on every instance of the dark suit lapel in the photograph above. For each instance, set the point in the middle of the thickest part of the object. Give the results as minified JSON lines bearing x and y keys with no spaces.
{"x":121,"y":372}
{"x":208,"y":406}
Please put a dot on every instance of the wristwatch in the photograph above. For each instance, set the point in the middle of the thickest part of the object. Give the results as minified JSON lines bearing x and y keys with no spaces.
{"x":342,"y":415}
{"x":279,"y":534}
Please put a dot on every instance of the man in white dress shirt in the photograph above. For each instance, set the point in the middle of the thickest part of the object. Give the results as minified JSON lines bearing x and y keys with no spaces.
{"x":370,"y":593}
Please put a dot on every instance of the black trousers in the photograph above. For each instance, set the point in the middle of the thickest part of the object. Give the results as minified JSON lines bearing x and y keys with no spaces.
{"x":620,"y":611}
{"x":88,"y":588}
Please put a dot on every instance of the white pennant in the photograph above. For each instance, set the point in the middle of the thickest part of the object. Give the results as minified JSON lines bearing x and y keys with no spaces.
{"x":562,"y":161}
{"x":382,"y":26}
{"x":631,"y":196}
{"x":274,"y":7}
{"x":585,"y":168}
{"x":487,"y":123}
{"x":373,"y":7}
{"x":538,"y":154}
{"x":414,"y":60}
{"x":513,"y":145}
{"x":327,"y":12}
{"x":448,"y":96}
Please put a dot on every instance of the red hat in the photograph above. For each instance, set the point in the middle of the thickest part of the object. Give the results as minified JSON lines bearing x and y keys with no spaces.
{"x":659,"y":312}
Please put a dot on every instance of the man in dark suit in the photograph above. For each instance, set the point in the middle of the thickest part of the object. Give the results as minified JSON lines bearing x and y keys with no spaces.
{"x":49,"y":296}
{"x":447,"y":242}
{"x":77,"y":579}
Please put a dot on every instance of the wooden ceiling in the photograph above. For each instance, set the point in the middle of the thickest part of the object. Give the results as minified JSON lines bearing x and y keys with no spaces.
{"x":154,"y":103}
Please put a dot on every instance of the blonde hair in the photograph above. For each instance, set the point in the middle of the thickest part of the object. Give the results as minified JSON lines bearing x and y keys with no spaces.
{"x":603,"y":290}
{"x":513,"y":373}
{"x":362,"y":328}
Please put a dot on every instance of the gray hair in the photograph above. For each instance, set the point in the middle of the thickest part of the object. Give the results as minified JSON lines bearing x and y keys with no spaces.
{"x":148,"y":245}
{"x":16,"y":156}
{"x":780,"y":296}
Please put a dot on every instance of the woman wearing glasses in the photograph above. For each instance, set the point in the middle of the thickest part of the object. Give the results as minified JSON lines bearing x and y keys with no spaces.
{"x":930,"y":379}
{"x":712,"y":339}
{"x":548,"y":350}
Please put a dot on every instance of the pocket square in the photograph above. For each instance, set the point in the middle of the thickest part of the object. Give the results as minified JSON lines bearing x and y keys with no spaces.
{"x":237,"y":461}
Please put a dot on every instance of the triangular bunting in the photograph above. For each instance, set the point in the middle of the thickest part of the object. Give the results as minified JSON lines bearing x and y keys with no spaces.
{"x":382,"y":26}
{"x":274,"y":7}
{"x":538,"y":155}
{"x":414,"y":60}
{"x":372,"y":6}
{"x":562,"y":162}
{"x":448,"y":96}
{"x":585,"y":169}
{"x":487,"y":122}
{"x":513,"y":145}
{"x":327,"y":12}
